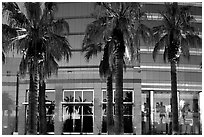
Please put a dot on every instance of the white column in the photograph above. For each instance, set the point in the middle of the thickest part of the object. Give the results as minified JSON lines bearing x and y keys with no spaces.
{"x":58,"y":123}
{"x":97,"y":109}
{"x":152,"y":109}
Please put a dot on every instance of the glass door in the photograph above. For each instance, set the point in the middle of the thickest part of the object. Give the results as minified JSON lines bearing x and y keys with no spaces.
{"x":161,"y":112}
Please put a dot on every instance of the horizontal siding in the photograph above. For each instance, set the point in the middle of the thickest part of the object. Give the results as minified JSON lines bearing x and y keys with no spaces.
{"x":158,"y":76}
{"x":62,"y":81}
{"x":194,"y":59}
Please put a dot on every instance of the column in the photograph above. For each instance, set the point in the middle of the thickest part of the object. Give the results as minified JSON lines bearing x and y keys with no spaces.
{"x":58,"y":125}
{"x":21,"y":120}
{"x":151,"y":111}
{"x":137,"y":120}
{"x":97,"y":109}
{"x":195,"y":107}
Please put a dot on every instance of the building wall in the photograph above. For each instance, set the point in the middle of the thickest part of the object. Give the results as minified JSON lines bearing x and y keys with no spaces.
{"x":80,"y":74}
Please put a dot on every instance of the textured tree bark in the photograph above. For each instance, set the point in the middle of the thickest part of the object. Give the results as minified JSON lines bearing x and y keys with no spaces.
{"x":174,"y":108}
{"x":32,"y":109}
{"x":42,"y":109}
{"x":119,"y":125}
{"x":110,"y":120}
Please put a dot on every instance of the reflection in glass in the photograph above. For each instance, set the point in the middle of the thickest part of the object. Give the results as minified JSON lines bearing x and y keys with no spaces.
{"x":161,"y":113}
{"x":78,"y":116}
{"x":189,"y":113}
{"x":50,"y":108}
{"x":127,"y":111}
{"x":145,"y":108}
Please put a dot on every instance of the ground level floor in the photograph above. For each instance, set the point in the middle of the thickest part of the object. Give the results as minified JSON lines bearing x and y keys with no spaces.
{"x":83,"y":111}
{"x":76,"y":104}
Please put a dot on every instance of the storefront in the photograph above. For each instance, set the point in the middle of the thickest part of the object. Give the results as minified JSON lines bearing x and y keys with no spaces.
{"x":156,"y":112}
{"x":78,"y":115}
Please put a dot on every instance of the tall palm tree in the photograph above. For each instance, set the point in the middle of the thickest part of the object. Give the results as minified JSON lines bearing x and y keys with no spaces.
{"x":38,"y":35}
{"x":105,"y":71}
{"x":117,"y":22}
{"x":48,"y":65}
{"x":175,"y":35}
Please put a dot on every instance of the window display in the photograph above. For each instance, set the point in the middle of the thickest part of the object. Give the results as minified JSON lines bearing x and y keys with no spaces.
{"x":78,"y":111}
{"x":128,"y":111}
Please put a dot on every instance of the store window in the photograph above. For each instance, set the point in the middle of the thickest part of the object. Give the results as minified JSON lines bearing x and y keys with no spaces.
{"x":50,"y":109}
{"x":161,"y":112}
{"x":189,"y":114}
{"x":77,"y":111}
{"x":127,"y":113}
{"x":145,"y":108}
{"x":156,"y":112}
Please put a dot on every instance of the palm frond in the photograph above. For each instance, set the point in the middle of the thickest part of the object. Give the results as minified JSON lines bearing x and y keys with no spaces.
{"x":146,"y":33}
{"x":3,"y":57}
{"x":131,"y":44}
{"x":60,"y":27}
{"x":158,"y":31}
{"x":33,"y":12}
{"x":18,"y":38}
{"x":24,"y":65}
{"x":167,"y":20}
{"x":8,"y":31}
{"x":185,"y":48}
{"x":110,"y":8}
{"x":15,"y":16}
{"x":59,"y":47}
{"x":51,"y":66}
{"x":159,"y":45}
{"x":11,"y":6}
{"x":47,"y":65}
{"x":165,"y":55}
{"x":194,"y":40}
{"x":95,"y":32}
{"x":48,"y":9}
{"x":104,"y":67}
{"x":92,"y":50}
{"x":23,"y":44}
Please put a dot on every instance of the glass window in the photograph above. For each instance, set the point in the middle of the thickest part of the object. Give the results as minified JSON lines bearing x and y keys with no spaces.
{"x":127,"y":111}
{"x":145,"y":108}
{"x":78,"y":111}
{"x":50,"y":108}
{"x":159,"y":121}
{"x":189,"y":116}
{"x":161,"y":112}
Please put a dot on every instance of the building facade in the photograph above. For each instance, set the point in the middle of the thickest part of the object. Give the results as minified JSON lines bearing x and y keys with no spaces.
{"x":76,"y":97}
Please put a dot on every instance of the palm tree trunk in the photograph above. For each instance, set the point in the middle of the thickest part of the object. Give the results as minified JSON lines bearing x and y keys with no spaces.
{"x":110,"y":120}
{"x":42,"y":109}
{"x":174,"y":108}
{"x":119,"y":126}
{"x":32,"y":111}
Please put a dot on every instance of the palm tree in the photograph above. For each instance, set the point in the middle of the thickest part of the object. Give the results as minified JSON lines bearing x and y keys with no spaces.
{"x":48,"y":65}
{"x":38,"y":36}
{"x":117,"y":22}
{"x":175,"y":35}
{"x":105,"y":71}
